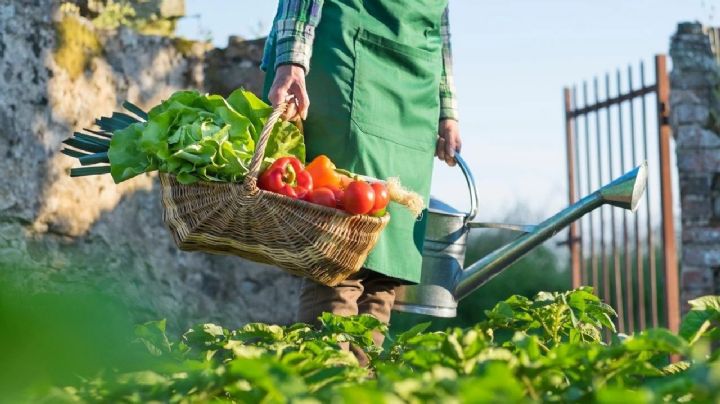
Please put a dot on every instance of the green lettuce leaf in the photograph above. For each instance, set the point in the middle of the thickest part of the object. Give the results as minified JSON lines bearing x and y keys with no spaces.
{"x":126,"y":158}
{"x":202,"y":138}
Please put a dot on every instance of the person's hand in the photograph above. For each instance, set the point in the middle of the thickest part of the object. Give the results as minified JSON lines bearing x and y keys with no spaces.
{"x":449,"y":141}
{"x":290,"y":80}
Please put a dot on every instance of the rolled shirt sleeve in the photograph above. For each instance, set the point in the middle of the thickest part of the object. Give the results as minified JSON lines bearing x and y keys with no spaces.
{"x":448,"y":100}
{"x":293,"y":32}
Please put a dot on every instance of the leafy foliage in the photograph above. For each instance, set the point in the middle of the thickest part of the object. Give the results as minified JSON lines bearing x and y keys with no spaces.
{"x":549,"y":348}
{"x":200,"y":137}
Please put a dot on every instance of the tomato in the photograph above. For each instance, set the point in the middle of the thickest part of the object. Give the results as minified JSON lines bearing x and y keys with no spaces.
{"x":382,"y":198}
{"x":322,"y":196}
{"x":359,"y":198}
{"x":339,"y":194}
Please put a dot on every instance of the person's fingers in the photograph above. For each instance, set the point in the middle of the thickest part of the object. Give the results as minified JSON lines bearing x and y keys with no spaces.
{"x":276,"y":95}
{"x":441,"y":148}
{"x":279,"y":90}
{"x":303,"y":100}
{"x":438,"y":148}
{"x":291,"y":111}
{"x":450,"y":147}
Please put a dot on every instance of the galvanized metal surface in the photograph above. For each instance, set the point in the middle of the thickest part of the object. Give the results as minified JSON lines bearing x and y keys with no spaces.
{"x":624,"y":192}
{"x":444,"y":282}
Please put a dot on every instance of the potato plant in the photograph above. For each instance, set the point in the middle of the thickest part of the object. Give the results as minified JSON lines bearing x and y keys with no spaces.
{"x":557,"y":347}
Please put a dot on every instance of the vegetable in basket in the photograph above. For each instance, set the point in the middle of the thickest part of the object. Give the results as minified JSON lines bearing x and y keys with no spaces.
{"x":288,"y":177}
{"x":321,"y":183}
{"x":209,"y":138}
{"x":194,"y":136}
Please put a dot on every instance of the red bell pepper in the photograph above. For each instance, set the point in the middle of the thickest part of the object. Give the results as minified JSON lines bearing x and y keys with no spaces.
{"x":287,"y":176}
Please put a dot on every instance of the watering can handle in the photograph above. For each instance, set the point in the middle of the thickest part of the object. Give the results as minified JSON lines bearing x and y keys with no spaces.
{"x":471,"y":187}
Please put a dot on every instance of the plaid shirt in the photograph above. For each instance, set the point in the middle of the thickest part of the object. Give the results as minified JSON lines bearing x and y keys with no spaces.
{"x":293,"y":32}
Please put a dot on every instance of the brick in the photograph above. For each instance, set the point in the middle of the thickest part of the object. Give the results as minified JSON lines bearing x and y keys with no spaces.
{"x":701,"y":255}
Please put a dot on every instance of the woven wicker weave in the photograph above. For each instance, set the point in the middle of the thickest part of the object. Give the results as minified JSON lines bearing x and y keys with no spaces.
{"x":326,"y":245}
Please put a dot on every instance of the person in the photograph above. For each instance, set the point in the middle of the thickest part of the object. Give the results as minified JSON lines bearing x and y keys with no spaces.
{"x":379,"y":76}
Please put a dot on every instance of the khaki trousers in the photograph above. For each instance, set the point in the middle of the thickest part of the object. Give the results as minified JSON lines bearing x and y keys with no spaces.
{"x":366,"y":292}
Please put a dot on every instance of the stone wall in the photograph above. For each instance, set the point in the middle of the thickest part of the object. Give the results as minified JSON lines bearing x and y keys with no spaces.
{"x":58,"y":233}
{"x":695,"y":118}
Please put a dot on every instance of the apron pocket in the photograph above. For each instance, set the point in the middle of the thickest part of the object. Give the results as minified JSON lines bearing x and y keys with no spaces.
{"x":396,"y":91}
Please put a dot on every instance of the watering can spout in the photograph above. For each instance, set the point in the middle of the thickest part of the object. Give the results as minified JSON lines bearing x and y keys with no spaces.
{"x":624,"y":192}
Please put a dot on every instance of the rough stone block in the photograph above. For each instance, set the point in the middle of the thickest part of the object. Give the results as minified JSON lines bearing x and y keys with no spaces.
{"x":698,"y":161}
{"x":689,"y":114}
{"x":701,"y":235}
{"x":235,"y":66}
{"x":684,"y":96}
{"x":694,"y":136}
{"x":696,"y":208}
{"x":695,"y":184}
{"x":707,"y":255}
{"x":690,"y":27}
{"x":697,"y":277}
{"x":172,"y":8}
{"x":693,"y":80}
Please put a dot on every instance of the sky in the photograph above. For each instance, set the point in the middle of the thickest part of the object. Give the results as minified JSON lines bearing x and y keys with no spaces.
{"x":511,"y":61}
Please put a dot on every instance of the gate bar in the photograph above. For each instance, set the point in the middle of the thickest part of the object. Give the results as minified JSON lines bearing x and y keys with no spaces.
{"x":578,"y":189}
{"x":571,"y":146}
{"x":601,"y":211}
{"x":593,"y":256}
{"x":613,"y":229}
{"x":636,"y":219}
{"x":650,"y":237}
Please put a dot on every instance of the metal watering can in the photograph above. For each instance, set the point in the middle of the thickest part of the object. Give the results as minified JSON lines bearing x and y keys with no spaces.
{"x":444,"y":281}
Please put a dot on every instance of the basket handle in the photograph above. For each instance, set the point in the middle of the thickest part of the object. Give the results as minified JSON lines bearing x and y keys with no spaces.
{"x":257,"y":159}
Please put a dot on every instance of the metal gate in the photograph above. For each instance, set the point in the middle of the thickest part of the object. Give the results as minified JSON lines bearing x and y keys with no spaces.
{"x":630,"y":259}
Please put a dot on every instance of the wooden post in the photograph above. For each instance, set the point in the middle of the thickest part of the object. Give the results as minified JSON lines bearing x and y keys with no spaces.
{"x":670,"y":260}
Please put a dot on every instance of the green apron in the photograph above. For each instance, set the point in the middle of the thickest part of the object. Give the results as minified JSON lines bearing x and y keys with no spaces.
{"x":374,"y":106}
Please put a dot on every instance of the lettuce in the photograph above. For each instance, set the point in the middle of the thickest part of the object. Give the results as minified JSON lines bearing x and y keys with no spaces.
{"x":201,"y":138}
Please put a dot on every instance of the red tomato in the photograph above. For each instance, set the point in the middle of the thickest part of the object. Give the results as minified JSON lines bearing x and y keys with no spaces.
{"x":322,"y":196}
{"x":382,"y":198}
{"x":359,"y":198}
{"x":339,"y":194}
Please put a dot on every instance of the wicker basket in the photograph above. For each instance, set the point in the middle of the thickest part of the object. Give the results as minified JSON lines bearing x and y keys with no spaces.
{"x":324,"y":244}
